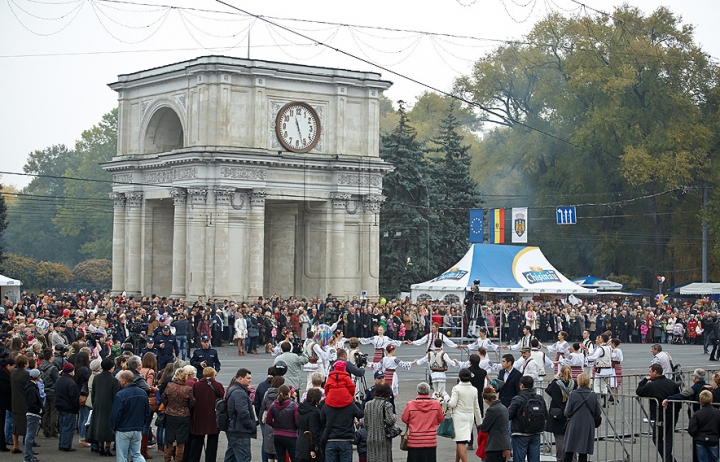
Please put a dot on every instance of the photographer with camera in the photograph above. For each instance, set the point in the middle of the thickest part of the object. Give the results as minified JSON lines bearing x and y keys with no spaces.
{"x":294,"y":363}
{"x":473,"y":311}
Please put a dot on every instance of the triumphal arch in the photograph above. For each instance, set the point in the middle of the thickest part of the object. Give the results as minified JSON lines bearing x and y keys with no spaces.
{"x":237,"y":178}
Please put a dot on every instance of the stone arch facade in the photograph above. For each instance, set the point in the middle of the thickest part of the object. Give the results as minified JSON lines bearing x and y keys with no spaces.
{"x":163,"y":128}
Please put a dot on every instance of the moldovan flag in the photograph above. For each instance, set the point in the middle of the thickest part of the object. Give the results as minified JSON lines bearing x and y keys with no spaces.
{"x":519,"y":225}
{"x":497,"y":226}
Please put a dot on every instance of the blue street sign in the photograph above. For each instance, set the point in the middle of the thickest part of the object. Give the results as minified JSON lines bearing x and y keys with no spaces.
{"x":566,"y":215}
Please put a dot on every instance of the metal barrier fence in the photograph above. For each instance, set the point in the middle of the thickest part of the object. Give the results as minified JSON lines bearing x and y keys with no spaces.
{"x":631,"y":431}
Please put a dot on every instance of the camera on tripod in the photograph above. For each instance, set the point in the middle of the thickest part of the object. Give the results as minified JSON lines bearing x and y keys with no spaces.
{"x":361,"y":359}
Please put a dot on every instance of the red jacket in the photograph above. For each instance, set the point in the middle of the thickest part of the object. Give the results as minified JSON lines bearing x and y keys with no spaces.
{"x":423,"y":415}
{"x":339,"y":389}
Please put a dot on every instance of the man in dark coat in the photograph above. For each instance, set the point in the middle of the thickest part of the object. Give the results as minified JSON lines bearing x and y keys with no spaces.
{"x":49,"y":374}
{"x":18,"y":378}
{"x":67,"y":403}
{"x":167,"y":347}
{"x":657,"y":386}
{"x":511,"y":378}
{"x":105,"y":387}
{"x":206,"y":390}
{"x":5,"y":394}
{"x":205,"y":356}
{"x":130,"y":414}
{"x":242,"y":418}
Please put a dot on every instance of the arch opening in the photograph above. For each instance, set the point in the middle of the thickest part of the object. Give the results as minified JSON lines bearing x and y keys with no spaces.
{"x":164,"y":132}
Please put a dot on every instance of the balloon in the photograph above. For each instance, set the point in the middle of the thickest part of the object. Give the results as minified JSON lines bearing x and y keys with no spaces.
{"x":42,"y":326}
{"x":383,"y":301}
{"x":66,"y":312}
{"x":323,"y":334}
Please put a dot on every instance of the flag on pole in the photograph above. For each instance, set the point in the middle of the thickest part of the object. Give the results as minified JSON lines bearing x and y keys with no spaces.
{"x":519,"y":225}
{"x":477,"y":226}
{"x":497,"y":226}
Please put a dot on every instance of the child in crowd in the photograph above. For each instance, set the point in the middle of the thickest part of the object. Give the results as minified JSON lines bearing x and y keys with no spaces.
{"x":361,"y":441}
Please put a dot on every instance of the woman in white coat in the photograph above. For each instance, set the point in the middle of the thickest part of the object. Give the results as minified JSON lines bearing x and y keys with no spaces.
{"x":465,"y":413}
{"x":241,"y":331}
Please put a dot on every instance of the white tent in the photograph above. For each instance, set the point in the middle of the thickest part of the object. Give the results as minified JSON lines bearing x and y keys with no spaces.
{"x":505,"y":269}
{"x":700,"y":288}
{"x":9,"y":288}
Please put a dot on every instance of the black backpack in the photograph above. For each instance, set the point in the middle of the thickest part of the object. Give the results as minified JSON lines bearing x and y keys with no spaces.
{"x":533,"y":416}
{"x":222,"y":418}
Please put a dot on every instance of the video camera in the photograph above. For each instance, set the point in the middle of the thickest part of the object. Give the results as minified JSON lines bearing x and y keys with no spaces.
{"x":138,"y":327}
{"x":361,"y":359}
{"x":297,"y":345}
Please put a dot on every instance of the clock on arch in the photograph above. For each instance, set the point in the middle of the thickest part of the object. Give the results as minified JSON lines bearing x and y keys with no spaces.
{"x":297,"y":127}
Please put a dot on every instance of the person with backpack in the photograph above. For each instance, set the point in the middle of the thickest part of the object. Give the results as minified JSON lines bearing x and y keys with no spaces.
{"x":465,"y":413}
{"x":437,"y":361}
{"x":581,"y":410}
{"x":528,"y":416}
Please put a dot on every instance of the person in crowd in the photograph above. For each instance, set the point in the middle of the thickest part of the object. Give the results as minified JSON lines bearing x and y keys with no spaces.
{"x":524,"y":341}
{"x":663,"y":359}
{"x":150,"y":347}
{"x":378,"y":414}
{"x":525,"y":436}
{"x":380,"y":342}
{"x":242,"y":418}
{"x":360,"y":440}
{"x":339,"y":387}
{"x":67,"y":403}
{"x":206,"y":391}
{"x":559,"y":391}
{"x":178,"y":399}
{"x":6,"y":365}
{"x":704,"y":427}
{"x":656,"y":385}
{"x":167,"y":347}
{"x":438,"y":361}
{"x":422,"y":415}
{"x":268,"y":444}
{"x":190,"y":373}
{"x":561,"y":349}
{"x":95,"y":369}
{"x":389,"y":365}
{"x":104,"y":389}
{"x":466,"y":413}
{"x":294,"y":364}
{"x":148,"y":371}
{"x":581,"y":409}
{"x":317,"y":357}
{"x":129,"y":415}
{"x":182,"y":330}
{"x":339,"y":431}
{"x":430,"y":340}
{"x":282,"y":416}
{"x":18,"y":378}
{"x":510,"y":378}
{"x":575,"y":360}
{"x":205,"y":356}
{"x":495,"y":424}
{"x":49,"y":374}
{"x":602,"y":360}
{"x":241,"y":331}
{"x":34,"y":407}
{"x":308,"y":447}
{"x":82,"y":377}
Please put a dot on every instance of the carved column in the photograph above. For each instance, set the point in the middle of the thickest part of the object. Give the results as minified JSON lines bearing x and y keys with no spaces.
{"x":197,"y":220}
{"x":179,"y":267}
{"x":134,"y":243}
{"x":371,"y":267}
{"x":118,"y":248}
{"x":336,"y":273}
{"x":256,"y":242}
{"x":221,"y":252}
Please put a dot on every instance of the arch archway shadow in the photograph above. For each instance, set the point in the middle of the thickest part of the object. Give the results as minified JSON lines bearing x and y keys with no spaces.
{"x":164,"y":132}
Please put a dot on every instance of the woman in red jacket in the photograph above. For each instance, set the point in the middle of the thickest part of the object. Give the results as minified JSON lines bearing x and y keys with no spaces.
{"x":423,"y":415}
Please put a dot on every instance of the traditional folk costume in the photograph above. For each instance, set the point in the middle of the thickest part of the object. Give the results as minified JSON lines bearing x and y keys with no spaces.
{"x":604,"y":370}
{"x":388,"y":366}
{"x":380,"y":343}
{"x":483,"y":343}
{"x":524,"y":342}
{"x":617,"y":359}
{"x":438,"y":362}
{"x":576,"y":361}
{"x":561,"y":349}
{"x":430,"y":340}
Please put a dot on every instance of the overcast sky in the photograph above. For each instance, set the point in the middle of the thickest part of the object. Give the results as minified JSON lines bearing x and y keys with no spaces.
{"x":58,"y":56}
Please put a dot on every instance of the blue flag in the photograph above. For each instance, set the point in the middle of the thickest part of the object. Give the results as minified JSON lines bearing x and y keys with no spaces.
{"x":477,"y":226}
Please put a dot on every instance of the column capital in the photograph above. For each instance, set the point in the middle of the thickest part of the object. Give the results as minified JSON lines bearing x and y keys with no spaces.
{"x":118,"y":199}
{"x":339,"y":200}
{"x":373,"y":202}
{"x":134,"y":199}
{"x":224,"y":195}
{"x":198,"y":195}
{"x":257,"y":197}
{"x":179,"y":196}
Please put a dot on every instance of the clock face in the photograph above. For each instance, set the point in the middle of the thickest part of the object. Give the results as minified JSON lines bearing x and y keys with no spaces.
{"x":297,"y":127}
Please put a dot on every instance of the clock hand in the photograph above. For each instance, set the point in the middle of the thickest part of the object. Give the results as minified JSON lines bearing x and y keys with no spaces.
{"x":298,"y":127}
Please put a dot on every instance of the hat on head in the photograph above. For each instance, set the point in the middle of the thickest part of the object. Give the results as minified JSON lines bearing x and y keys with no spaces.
{"x":95,"y":365}
{"x":150,"y":340}
{"x":60,"y":347}
{"x":34,"y":373}
{"x":525,"y":350}
{"x":378,"y":375}
{"x":340,"y":366}
{"x":107,"y":364}
{"x":165,"y":327}
{"x":204,"y":338}
{"x":67,"y":368}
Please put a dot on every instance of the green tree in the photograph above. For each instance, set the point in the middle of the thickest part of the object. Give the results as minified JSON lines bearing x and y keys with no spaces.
{"x":93,"y":274}
{"x":456,"y":192}
{"x":51,"y":274}
{"x":404,"y":222}
{"x":21,"y":268}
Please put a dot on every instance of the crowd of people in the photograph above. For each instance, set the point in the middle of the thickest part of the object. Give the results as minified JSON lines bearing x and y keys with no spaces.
{"x":127,"y":375}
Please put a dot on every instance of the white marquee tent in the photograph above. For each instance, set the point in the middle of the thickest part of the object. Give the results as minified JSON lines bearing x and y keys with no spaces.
{"x":9,"y":288}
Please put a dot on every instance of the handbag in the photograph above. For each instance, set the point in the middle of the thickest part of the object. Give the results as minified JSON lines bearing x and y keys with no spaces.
{"x":391,"y":430}
{"x":446,"y":428}
{"x":404,"y":436}
{"x":84,"y":395}
{"x":152,"y":399}
{"x":160,"y":420}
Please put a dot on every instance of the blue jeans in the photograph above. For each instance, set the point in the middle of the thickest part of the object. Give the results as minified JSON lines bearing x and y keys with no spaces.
{"x":182,"y":345}
{"x":523,"y":446}
{"x":128,"y":444}
{"x":339,"y":451}
{"x":263,"y":454}
{"x":238,"y":449}
{"x":66,"y":425}
{"x":82,"y":420}
{"x":33,"y":423}
{"x":8,"y":426}
{"x":704,"y":453}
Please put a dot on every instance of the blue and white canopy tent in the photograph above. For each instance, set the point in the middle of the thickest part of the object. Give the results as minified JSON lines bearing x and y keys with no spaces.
{"x":591,"y":282}
{"x":504,"y":269}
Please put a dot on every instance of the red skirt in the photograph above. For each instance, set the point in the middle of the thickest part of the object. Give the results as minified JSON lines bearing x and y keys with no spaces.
{"x":575,"y":371}
{"x":379,"y":355}
{"x":389,"y":373}
{"x":618,"y":374}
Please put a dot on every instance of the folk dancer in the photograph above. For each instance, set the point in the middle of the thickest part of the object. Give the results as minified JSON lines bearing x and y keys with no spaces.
{"x":431,"y":337}
{"x":482,"y":342}
{"x":575,"y":360}
{"x":524,"y":341}
{"x":588,"y":348}
{"x":527,"y":365}
{"x":388,"y":366}
{"x":380,"y":342}
{"x":604,"y":370}
{"x":438,"y":362}
{"x":561,"y":348}
{"x":317,"y":357}
{"x":542,"y":361}
{"x":616,"y":358}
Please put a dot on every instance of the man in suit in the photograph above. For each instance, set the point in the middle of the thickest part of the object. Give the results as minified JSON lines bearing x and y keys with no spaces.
{"x":511,"y":377}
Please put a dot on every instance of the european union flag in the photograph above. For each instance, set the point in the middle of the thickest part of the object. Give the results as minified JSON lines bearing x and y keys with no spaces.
{"x":477,"y":226}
